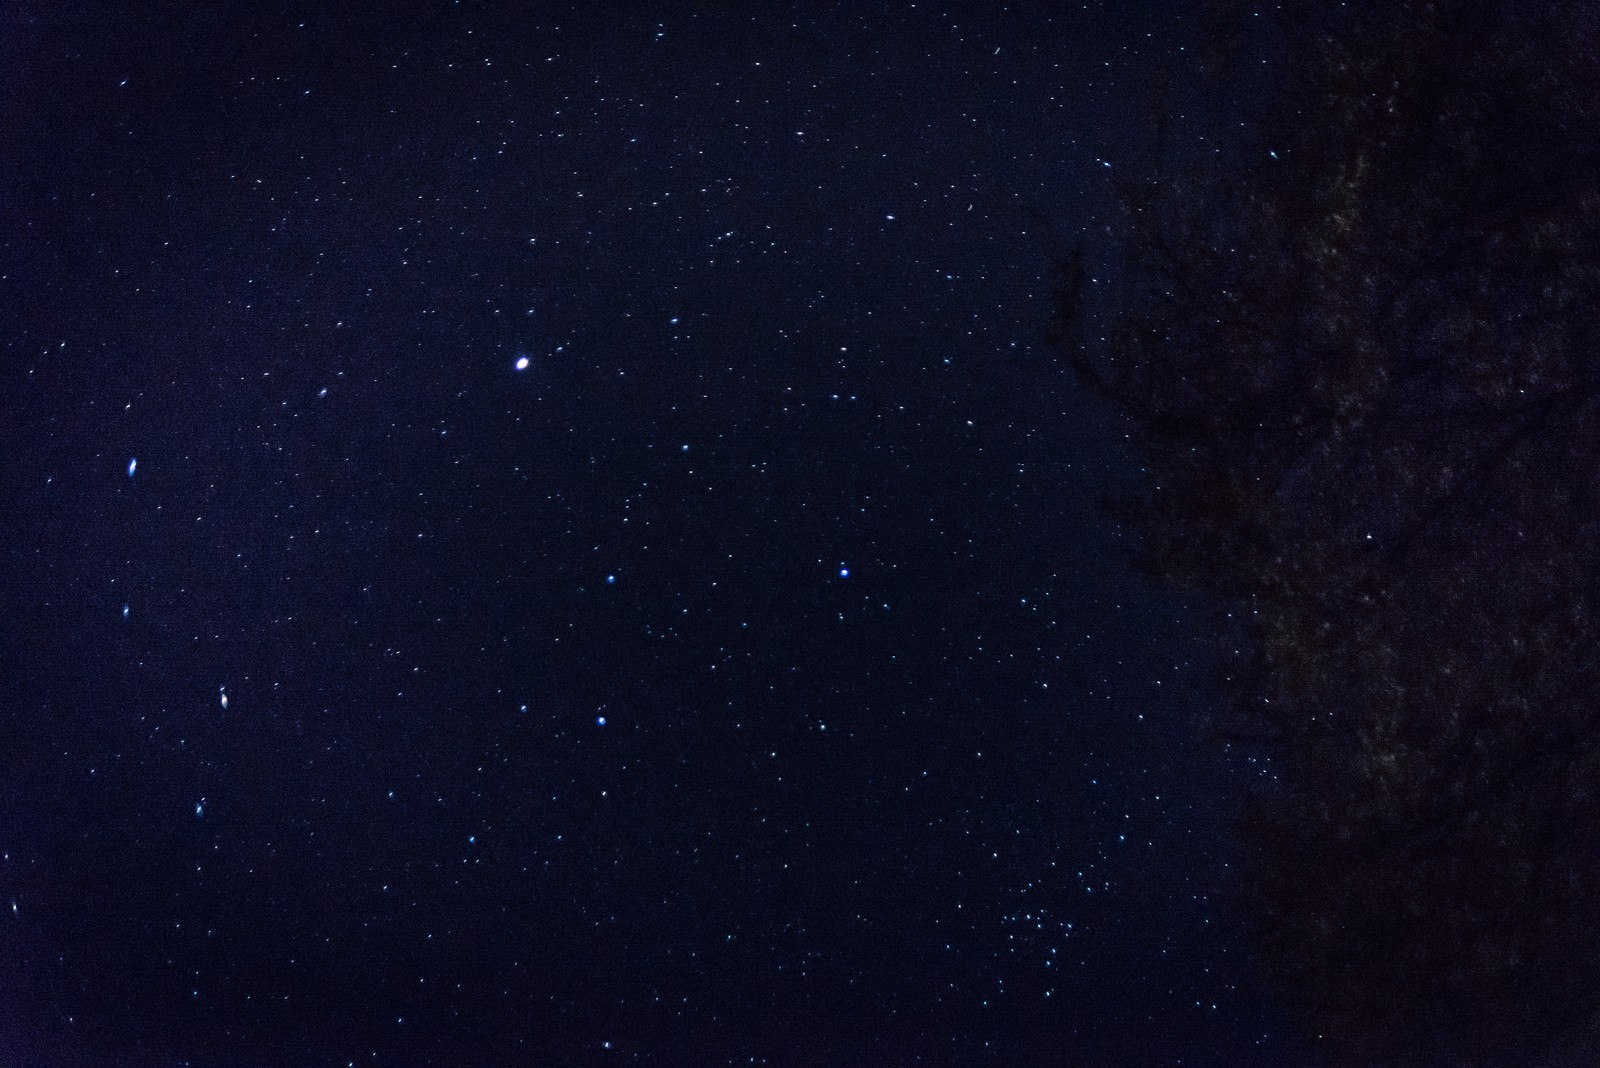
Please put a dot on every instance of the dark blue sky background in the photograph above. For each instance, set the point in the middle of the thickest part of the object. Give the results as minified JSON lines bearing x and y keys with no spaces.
{"x":896,"y":762}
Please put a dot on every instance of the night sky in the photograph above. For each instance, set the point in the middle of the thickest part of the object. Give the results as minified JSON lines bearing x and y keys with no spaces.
{"x":556,"y":536}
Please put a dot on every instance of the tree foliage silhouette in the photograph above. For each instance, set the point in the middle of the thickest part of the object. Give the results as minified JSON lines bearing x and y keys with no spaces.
{"x":1360,"y":371}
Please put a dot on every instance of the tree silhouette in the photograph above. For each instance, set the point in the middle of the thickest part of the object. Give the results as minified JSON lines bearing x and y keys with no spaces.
{"x":1360,"y":371}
